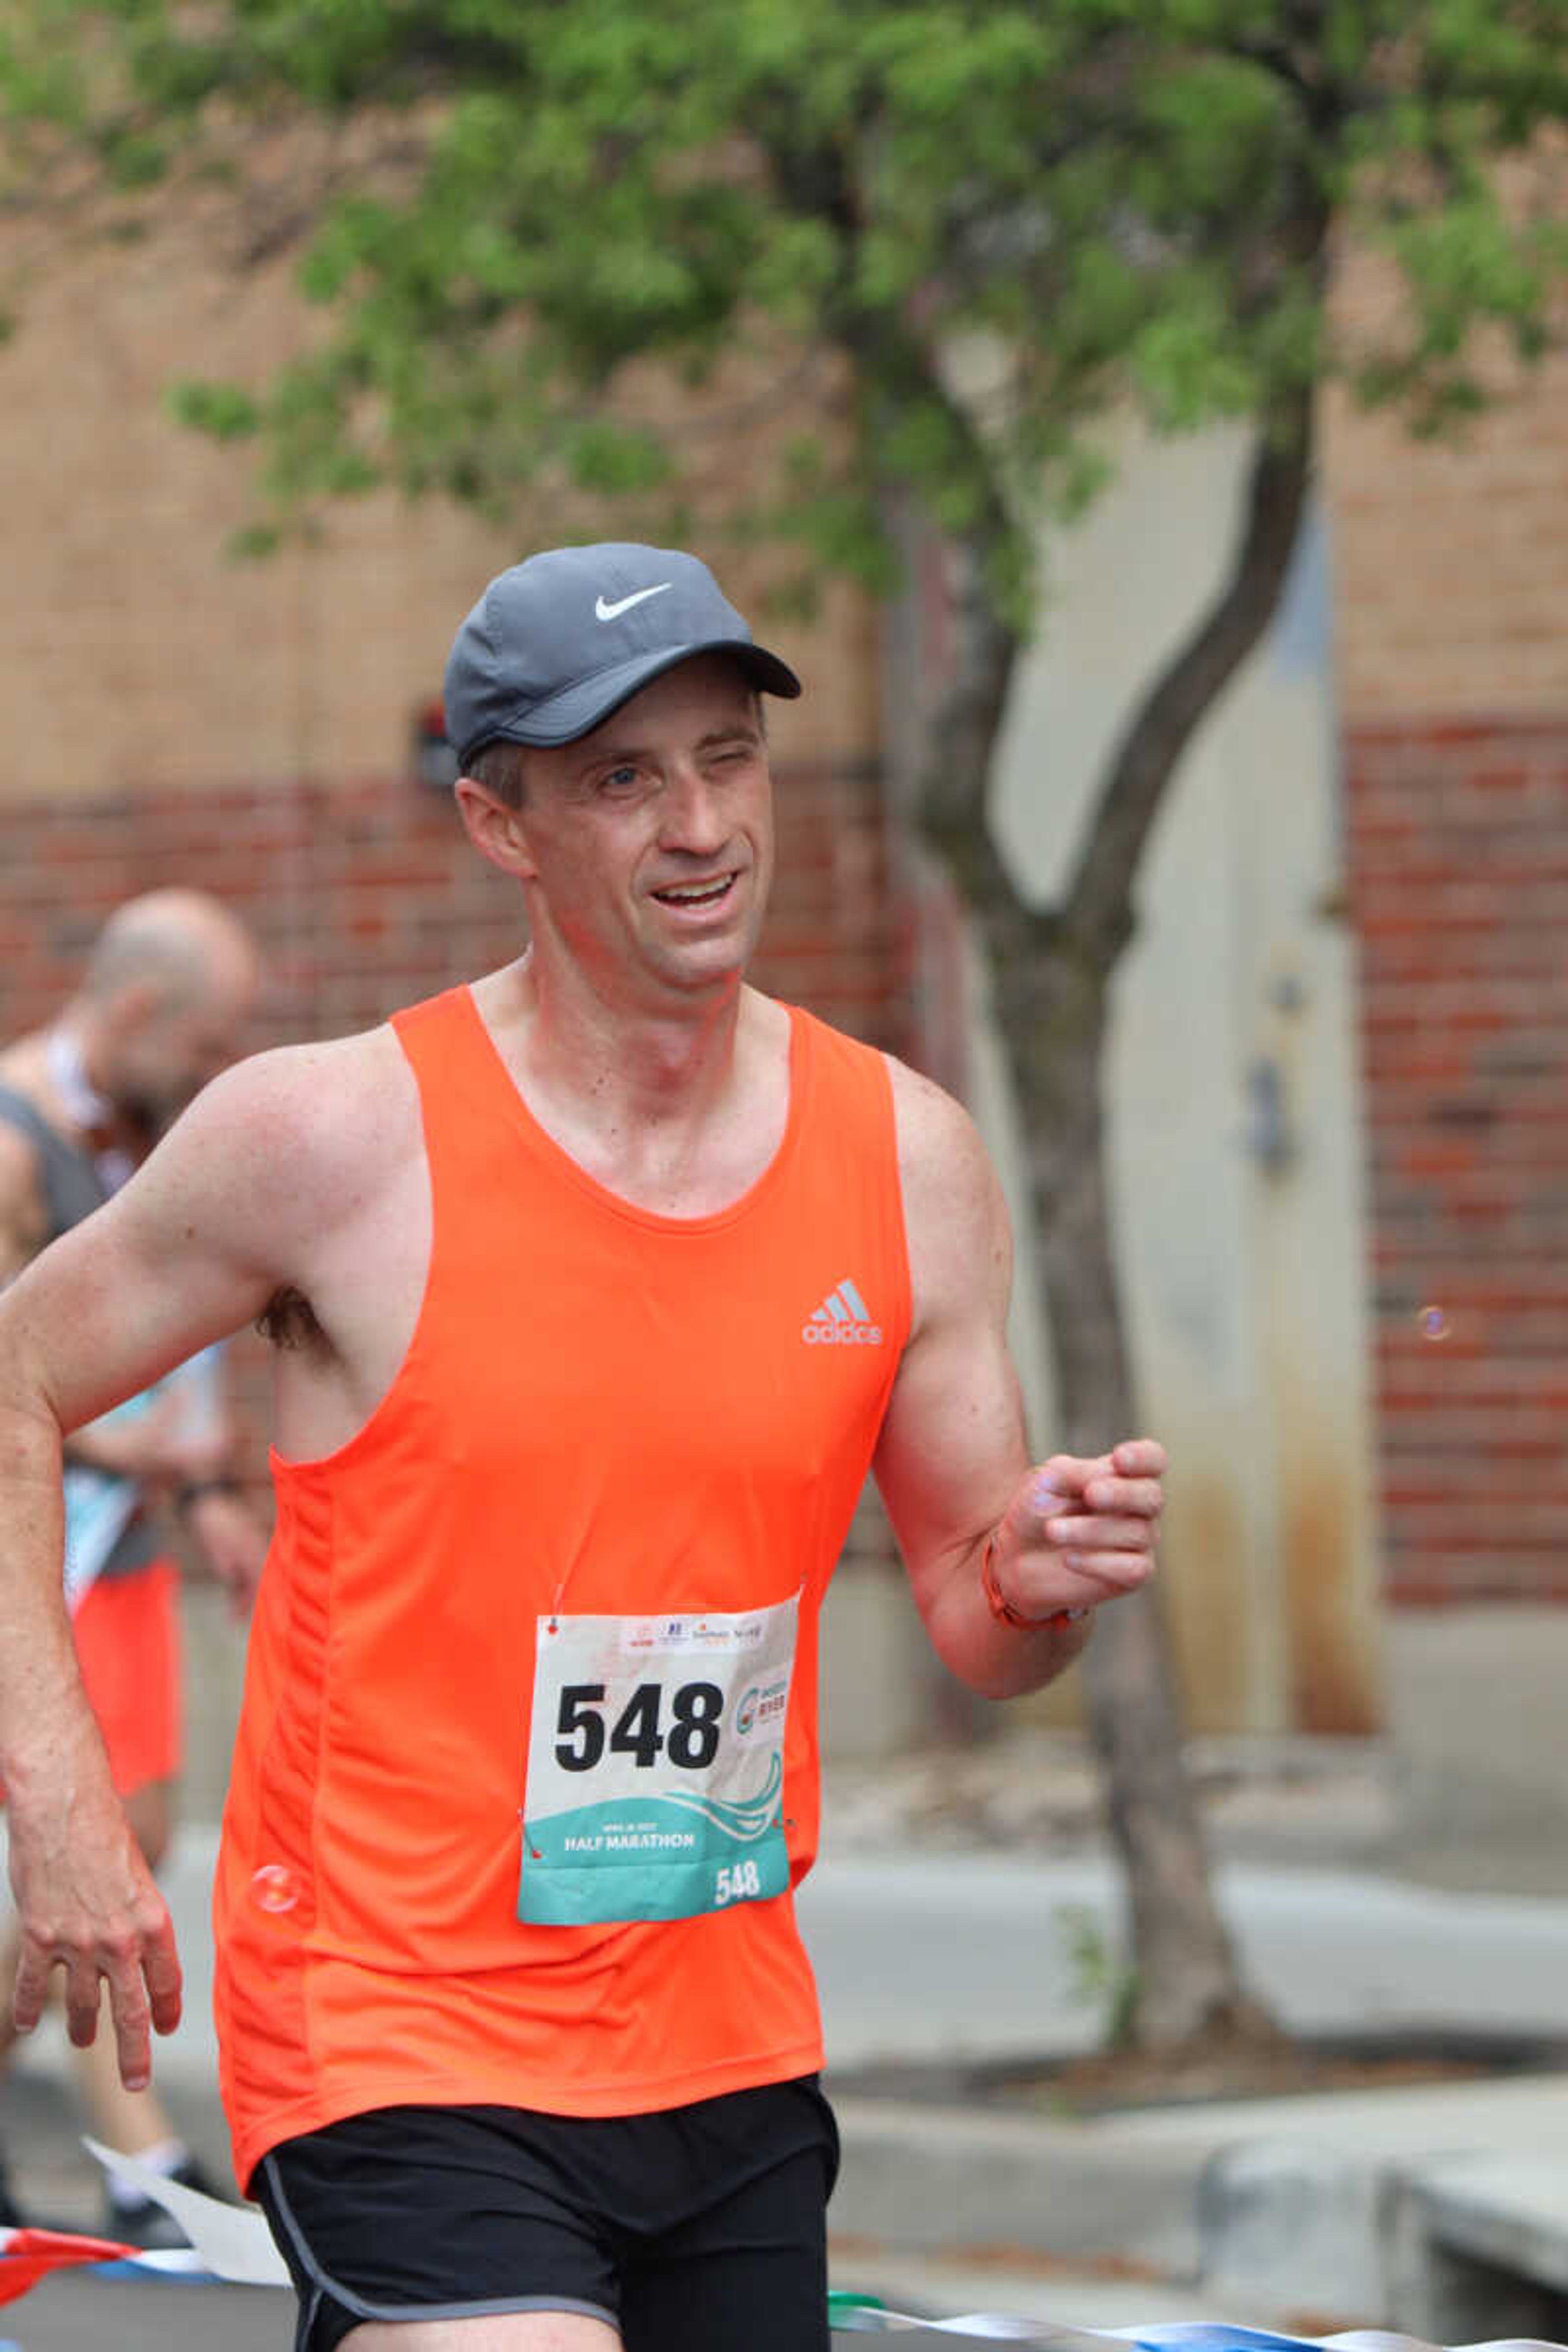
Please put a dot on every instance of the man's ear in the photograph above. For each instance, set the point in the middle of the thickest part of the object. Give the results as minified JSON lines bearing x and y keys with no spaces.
{"x":497,"y":831}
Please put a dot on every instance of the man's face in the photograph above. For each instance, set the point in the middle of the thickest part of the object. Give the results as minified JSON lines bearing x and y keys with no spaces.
{"x":651,"y":839}
{"x":169,"y":1043}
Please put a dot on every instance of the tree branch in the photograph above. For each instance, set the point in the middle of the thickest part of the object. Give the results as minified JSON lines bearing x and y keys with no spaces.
{"x":960,"y":738}
{"x":1097,"y":908}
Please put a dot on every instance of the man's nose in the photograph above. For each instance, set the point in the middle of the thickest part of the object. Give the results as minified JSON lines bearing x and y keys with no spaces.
{"x":693,"y":820}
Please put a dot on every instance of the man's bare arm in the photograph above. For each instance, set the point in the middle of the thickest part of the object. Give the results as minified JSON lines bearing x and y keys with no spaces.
{"x":954,"y":1462}
{"x":188,"y":1250}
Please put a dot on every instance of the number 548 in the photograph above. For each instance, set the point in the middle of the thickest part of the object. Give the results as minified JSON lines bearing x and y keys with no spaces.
{"x":735,"y":1882}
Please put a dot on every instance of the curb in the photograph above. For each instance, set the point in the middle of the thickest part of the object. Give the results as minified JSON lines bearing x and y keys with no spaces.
{"x":925,"y":2179}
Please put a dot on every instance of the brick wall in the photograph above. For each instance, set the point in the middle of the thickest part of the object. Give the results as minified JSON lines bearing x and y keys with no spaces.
{"x":366,"y":895}
{"x":1450,"y":582}
{"x":1458,"y":863}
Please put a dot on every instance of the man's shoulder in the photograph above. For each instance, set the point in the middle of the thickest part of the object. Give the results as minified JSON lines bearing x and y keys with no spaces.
{"x":937,"y":1138}
{"x":953,"y":1203}
{"x":316,"y":1062}
{"x":854,"y":1054}
{"x":324,"y":1104}
{"x":934,"y":1125}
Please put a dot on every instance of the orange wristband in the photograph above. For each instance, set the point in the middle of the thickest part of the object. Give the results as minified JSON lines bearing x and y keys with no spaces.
{"x":1002,"y":1609}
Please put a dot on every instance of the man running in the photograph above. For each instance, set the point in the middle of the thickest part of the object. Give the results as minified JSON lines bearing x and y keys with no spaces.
{"x":598,"y":1286}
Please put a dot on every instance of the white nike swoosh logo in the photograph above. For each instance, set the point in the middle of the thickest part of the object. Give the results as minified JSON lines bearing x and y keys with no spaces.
{"x":603,"y":612}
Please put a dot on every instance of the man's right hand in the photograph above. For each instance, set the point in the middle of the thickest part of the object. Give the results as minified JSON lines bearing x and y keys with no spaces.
{"x":88,"y":1903}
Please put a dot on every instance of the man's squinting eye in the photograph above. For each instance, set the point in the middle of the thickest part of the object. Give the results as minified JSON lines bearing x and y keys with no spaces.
{"x":619,"y":780}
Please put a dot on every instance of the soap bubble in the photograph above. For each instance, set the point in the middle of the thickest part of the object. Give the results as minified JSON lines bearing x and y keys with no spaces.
{"x":274,"y":1888}
{"x":1434,"y":1323}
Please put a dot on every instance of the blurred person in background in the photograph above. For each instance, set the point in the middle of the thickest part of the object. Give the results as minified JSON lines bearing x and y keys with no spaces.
{"x":160,"y":1010}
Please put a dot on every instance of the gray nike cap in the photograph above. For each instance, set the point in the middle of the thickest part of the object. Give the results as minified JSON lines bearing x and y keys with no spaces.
{"x":556,"y":643}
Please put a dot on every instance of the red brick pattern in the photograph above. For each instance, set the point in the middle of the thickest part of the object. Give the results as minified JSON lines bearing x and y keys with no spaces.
{"x":366,"y":895}
{"x":1459,"y":865}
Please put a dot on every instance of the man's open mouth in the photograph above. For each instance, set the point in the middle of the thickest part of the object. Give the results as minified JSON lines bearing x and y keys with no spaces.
{"x":695,"y":893}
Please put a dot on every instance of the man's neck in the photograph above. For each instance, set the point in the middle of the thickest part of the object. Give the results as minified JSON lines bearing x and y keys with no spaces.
{"x":678,"y":1113}
{"x":649,"y":1063}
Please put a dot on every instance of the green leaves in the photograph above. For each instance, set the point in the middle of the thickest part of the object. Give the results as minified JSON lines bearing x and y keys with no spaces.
{"x":1119,"y":201}
{"x":226,"y":411}
{"x":1465,"y":261}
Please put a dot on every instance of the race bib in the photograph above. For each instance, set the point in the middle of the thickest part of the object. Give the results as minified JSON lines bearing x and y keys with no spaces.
{"x":656,"y":1766}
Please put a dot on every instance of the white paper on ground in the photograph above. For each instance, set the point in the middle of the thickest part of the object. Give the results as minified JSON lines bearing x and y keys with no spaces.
{"x":171,"y":2262}
{"x":233,"y":2240}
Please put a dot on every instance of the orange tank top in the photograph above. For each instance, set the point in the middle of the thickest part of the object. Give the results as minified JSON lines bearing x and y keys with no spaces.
{"x":527,"y":1763}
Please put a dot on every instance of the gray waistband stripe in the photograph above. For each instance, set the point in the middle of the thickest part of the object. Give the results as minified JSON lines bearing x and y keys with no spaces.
{"x":296,"y":2235}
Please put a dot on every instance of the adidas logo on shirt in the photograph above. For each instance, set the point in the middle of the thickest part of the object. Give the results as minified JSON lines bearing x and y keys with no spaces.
{"x":843,"y":1320}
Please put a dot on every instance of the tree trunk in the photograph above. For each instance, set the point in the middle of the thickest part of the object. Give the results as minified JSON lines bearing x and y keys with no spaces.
{"x":1185,"y":1981}
{"x":1051,"y":976}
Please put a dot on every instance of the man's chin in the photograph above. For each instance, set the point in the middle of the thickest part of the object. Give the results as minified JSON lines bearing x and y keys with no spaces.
{"x":712,"y":969}
{"x":717,"y":958}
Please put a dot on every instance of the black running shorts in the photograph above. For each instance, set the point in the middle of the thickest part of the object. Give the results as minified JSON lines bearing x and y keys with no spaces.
{"x":702,"y":2226}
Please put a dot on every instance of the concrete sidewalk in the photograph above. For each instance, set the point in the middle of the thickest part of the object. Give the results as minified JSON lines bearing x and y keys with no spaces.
{"x":1248,"y":2211}
{"x":1303,"y":2210}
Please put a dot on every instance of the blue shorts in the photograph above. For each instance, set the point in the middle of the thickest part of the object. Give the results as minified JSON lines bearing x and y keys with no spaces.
{"x":701,"y":2225}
